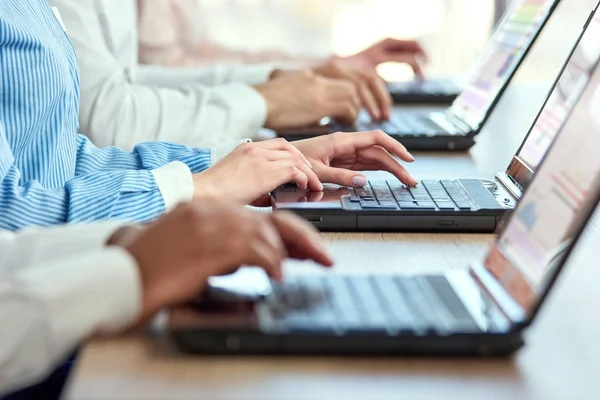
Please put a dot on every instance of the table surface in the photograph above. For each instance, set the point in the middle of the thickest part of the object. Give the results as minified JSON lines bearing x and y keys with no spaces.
{"x":561,"y":359}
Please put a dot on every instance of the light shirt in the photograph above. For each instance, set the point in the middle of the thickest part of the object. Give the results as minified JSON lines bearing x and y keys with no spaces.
{"x":123,"y":103}
{"x":48,"y":173}
{"x":57,"y":287}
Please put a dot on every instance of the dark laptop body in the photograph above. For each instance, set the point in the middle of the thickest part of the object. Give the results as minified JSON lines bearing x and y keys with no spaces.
{"x":482,"y":310}
{"x":455,"y":127}
{"x":428,"y":91}
{"x":460,"y":205}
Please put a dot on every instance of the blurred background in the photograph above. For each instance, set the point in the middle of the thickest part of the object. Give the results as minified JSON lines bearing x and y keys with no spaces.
{"x":452,"y":31}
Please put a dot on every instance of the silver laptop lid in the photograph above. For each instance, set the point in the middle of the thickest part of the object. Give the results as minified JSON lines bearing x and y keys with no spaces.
{"x":540,"y":233}
{"x":499,"y":61}
{"x":567,"y":89}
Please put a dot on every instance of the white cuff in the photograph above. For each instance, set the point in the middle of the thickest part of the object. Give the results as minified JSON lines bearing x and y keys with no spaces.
{"x":253,"y":74}
{"x":219,"y":152}
{"x":247,"y":108}
{"x":98,"y":291}
{"x":175,"y":183}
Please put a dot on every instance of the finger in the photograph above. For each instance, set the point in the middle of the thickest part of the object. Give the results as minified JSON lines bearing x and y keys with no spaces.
{"x":315,"y":197}
{"x":269,"y":249}
{"x":341,"y":176}
{"x":404,"y":46}
{"x":301,"y":239}
{"x":381,"y":93}
{"x":313,"y":182}
{"x":286,"y":171}
{"x":344,"y":143}
{"x":263,"y":201}
{"x":410,"y":59}
{"x":282,"y":144}
{"x":368,"y":100}
{"x":382,"y":160}
{"x":345,"y":101}
{"x":308,"y":180}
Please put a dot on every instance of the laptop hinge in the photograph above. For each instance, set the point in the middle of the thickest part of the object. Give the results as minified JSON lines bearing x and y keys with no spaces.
{"x":508,"y":183}
{"x":498,"y":295}
{"x":441,"y":119}
{"x":459,"y":122}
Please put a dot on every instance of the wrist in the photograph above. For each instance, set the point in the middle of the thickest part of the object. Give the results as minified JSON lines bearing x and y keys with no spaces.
{"x":272,"y":105}
{"x":276,"y":74}
{"x":204,"y":189}
{"x":123,"y":236}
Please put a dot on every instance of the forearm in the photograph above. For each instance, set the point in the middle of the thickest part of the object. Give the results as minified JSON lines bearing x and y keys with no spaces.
{"x":210,"y":75}
{"x":52,"y":307}
{"x":36,"y":245}
{"x":144,"y":156}
{"x":196,"y":116}
{"x":125,"y":195}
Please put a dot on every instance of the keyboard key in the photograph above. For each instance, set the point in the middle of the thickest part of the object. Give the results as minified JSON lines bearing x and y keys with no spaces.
{"x":445,"y":205}
{"x":342,"y":301}
{"x":367,"y":302}
{"x":375,"y":205}
{"x":408,"y":205}
{"x":399,"y":313}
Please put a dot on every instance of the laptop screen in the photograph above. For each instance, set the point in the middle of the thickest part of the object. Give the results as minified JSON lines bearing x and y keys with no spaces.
{"x":554,"y":208}
{"x":499,"y":61}
{"x":565,"y":93}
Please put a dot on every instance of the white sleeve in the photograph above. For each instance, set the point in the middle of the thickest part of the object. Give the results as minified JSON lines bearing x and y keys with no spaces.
{"x":215,"y":74}
{"x":37,"y":245}
{"x":120,"y":106}
{"x":48,"y":309}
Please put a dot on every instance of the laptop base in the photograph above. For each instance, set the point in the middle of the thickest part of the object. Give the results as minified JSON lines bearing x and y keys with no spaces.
{"x":231,"y":342}
{"x":412,"y":142}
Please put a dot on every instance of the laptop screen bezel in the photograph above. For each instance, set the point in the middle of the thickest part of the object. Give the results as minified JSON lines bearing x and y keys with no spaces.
{"x":528,"y":46}
{"x":518,"y":172}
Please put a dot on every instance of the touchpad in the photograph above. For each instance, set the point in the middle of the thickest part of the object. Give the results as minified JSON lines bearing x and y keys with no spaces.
{"x":289,"y":196}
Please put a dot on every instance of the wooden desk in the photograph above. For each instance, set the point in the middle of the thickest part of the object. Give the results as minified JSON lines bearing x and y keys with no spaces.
{"x":561,"y":359}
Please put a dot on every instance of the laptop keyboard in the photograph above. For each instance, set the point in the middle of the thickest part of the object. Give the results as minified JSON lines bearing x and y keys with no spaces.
{"x":445,"y":195}
{"x":351,"y":303}
{"x":405,"y":124}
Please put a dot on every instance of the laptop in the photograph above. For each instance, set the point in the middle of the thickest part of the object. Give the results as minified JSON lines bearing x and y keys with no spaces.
{"x":428,"y":91}
{"x":482,"y":310}
{"x":455,"y":127}
{"x":459,"y":205}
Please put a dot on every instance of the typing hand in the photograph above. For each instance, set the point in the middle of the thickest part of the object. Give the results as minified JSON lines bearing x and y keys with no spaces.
{"x":303,"y":98}
{"x":179,"y":252}
{"x":389,"y":50}
{"x":336,"y":157}
{"x":372,"y":90}
{"x":253,"y":170}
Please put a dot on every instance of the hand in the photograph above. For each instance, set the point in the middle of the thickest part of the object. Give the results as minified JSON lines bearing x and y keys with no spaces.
{"x":373,"y":91}
{"x":336,"y":157}
{"x":302,"y":98}
{"x":389,"y":50}
{"x":253,"y":170}
{"x":179,"y":252}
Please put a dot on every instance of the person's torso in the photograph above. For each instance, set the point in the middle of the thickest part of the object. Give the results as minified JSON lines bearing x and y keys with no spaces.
{"x":39,"y":91}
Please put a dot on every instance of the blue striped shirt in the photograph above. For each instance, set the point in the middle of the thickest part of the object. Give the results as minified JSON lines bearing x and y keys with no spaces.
{"x":49,"y":174}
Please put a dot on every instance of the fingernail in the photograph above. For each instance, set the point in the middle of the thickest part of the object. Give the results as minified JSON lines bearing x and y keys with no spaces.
{"x":359,"y":181}
{"x":412,"y":158}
